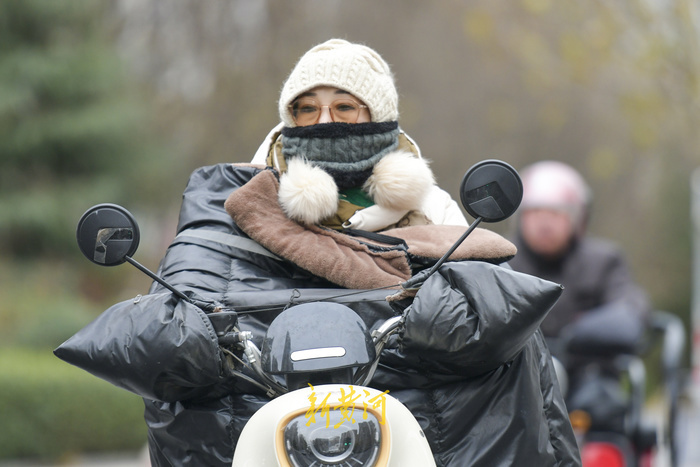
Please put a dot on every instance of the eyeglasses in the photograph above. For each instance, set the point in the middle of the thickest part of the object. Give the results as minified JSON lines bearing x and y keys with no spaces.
{"x":307,"y":110}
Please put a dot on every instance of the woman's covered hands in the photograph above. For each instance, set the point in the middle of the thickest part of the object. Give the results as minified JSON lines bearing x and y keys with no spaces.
{"x":471,"y":316}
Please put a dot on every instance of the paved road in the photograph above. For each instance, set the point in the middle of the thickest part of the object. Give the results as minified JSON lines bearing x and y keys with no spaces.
{"x":689,"y":435}
{"x":128,"y":459}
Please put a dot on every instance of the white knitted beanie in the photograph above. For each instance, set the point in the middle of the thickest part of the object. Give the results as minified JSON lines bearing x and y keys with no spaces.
{"x":354,"y":68}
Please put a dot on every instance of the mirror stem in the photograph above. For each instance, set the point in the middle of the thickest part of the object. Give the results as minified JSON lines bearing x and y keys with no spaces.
{"x":416,"y":281}
{"x":145,"y":270}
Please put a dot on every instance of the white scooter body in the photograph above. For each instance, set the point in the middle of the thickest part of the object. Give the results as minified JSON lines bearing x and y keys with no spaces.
{"x":403,"y":443}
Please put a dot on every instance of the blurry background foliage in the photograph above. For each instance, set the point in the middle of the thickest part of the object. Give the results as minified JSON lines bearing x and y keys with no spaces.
{"x":119,"y":100}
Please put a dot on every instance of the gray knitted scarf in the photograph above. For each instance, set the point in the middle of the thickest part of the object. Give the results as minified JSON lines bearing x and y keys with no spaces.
{"x":347,"y":151}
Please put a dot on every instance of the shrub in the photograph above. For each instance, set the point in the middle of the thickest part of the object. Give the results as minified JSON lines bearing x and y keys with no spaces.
{"x":51,"y":409}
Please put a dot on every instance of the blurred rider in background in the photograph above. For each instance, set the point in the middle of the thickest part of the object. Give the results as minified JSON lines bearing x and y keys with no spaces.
{"x":553,"y":244}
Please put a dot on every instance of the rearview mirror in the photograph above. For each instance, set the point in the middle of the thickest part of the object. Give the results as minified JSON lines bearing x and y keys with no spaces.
{"x":491,"y":190}
{"x":108,"y":234}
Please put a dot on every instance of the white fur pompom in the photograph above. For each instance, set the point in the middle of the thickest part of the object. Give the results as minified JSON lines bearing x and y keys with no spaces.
{"x":307,"y":193}
{"x":400,"y":180}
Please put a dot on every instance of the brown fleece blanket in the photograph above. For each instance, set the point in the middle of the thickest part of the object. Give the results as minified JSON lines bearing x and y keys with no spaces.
{"x":345,"y":260}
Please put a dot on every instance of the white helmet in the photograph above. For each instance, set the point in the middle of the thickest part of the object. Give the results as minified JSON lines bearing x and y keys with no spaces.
{"x":556,"y":185}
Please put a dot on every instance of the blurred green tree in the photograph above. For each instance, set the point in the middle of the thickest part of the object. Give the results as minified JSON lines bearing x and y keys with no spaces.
{"x":73,"y":130}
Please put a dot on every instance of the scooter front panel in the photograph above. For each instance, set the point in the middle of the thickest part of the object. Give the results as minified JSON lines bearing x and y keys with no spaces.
{"x":342,"y":435}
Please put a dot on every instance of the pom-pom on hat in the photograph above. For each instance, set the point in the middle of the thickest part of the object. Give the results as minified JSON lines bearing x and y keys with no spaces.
{"x":354,"y":68}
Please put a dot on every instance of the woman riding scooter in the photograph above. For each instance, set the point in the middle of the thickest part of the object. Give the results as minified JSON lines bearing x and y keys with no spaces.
{"x":339,"y":167}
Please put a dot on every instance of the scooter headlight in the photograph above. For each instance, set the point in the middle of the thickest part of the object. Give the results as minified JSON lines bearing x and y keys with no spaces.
{"x":331,"y":441}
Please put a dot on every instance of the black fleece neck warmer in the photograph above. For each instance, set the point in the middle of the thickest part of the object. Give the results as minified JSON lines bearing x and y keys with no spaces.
{"x":346,"y":151}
